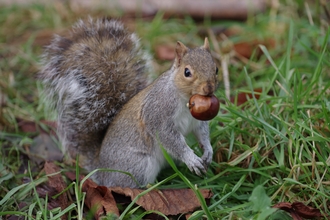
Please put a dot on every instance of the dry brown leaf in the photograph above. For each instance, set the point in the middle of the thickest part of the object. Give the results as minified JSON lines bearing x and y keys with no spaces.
{"x":56,"y":181}
{"x":247,"y":48}
{"x":286,"y":206}
{"x":243,"y":96}
{"x":168,"y":201}
{"x":165,"y":52}
{"x":299,"y":210}
{"x":99,"y":199}
{"x":30,"y":126}
{"x":44,"y":190}
{"x":306,"y":211}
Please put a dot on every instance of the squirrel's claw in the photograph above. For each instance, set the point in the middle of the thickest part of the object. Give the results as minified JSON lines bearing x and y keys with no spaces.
{"x":207,"y":158}
{"x":196,"y":164}
{"x":207,"y":155}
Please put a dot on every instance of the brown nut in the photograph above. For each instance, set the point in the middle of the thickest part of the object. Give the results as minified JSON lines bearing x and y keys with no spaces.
{"x":203,"y":108}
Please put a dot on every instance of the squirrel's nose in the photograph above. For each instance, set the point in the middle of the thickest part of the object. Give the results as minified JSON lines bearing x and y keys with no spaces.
{"x":208,"y":89}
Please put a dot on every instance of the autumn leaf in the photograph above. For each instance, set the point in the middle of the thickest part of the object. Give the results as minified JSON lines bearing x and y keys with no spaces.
{"x":165,"y":52}
{"x":99,"y":199}
{"x":30,"y":126}
{"x":167,"y":201}
{"x":298,"y":210}
{"x":56,"y":181}
{"x":243,"y":97}
{"x":247,"y":48}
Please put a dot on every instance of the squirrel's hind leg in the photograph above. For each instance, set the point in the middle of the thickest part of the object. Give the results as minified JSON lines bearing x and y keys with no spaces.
{"x":143,"y":168}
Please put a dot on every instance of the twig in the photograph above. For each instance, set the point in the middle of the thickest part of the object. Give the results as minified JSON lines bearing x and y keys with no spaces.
{"x":324,"y":4}
{"x":225,"y":73}
{"x":309,"y":14}
{"x":224,"y":55}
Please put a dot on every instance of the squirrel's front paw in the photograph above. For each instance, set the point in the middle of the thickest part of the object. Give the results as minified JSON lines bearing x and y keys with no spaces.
{"x":195,"y":164}
{"x":207,"y":157}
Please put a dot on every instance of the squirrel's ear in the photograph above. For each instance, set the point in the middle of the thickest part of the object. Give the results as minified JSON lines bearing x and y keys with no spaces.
{"x":180,"y":50}
{"x":206,"y":44}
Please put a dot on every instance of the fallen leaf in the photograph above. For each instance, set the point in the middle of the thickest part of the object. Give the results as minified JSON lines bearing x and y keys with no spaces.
{"x":165,"y":52}
{"x":99,"y":199}
{"x":167,"y":201}
{"x":243,"y":97}
{"x":56,"y":181}
{"x":247,"y":48}
{"x":286,"y":206}
{"x":30,"y":126}
{"x":299,"y":210}
{"x":44,"y":190}
{"x":306,"y":211}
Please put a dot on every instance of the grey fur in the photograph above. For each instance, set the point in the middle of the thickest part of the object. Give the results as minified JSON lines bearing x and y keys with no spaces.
{"x":81,"y":74}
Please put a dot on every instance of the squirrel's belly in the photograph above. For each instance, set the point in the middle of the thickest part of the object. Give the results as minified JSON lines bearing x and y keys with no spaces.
{"x":183,"y":120}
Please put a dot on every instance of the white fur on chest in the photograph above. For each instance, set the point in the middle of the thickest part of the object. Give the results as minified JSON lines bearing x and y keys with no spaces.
{"x":183,"y":119}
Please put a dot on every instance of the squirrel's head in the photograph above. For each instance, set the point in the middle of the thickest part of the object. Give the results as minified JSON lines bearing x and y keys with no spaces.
{"x":195,"y":70}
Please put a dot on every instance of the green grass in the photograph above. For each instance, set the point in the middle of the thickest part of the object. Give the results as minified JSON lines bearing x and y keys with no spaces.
{"x":275,"y":148}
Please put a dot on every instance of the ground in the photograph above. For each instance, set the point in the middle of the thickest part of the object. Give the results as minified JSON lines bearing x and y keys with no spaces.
{"x":270,"y":138}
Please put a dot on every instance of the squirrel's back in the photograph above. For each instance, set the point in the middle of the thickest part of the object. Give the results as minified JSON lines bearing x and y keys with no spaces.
{"x":90,"y":76}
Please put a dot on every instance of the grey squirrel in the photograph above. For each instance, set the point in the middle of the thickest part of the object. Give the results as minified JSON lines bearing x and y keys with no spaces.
{"x":110,"y":116}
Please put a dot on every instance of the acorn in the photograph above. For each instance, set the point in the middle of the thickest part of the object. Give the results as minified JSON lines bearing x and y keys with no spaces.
{"x":203,"y":108}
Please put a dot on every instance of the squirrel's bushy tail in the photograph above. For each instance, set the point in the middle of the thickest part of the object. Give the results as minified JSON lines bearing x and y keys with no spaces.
{"x":89,"y":76}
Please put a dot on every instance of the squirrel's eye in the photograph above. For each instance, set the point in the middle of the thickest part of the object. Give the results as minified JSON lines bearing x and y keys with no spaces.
{"x":187,"y":72}
{"x":216,"y":70}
